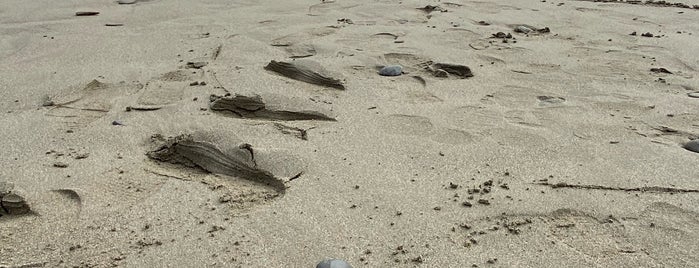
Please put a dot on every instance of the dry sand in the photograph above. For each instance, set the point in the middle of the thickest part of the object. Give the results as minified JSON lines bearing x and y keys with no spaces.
{"x":563,"y":150}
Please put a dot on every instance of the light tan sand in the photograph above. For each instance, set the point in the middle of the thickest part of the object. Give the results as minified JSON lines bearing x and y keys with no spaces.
{"x":577,"y":107}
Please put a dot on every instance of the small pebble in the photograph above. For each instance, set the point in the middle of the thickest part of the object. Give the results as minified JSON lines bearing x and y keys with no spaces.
{"x":117,"y":123}
{"x":126,"y":2}
{"x":692,"y":146}
{"x":333,"y":263}
{"x":391,"y":70}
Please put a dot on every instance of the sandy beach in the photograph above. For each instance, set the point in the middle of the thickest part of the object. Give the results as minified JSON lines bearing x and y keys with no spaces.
{"x":221,"y":133}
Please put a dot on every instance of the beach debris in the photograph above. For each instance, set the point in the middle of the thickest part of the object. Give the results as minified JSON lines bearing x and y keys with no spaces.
{"x":525,"y":29}
{"x":391,"y":70}
{"x":10,"y":202}
{"x":430,"y":8}
{"x":237,"y":161}
{"x":256,"y":107}
{"x":660,"y":70}
{"x":86,"y":13}
{"x":126,"y":2}
{"x":333,"y":263}
{"x":60,"y":165}
{"x":345,"y":21}
{"x":300,"y":72}
{"x":693,"y":94}
{"x":502,"y":35}
{"x":444,"y":69}
{"x":196,"y":64}
{"x":692,"y":146}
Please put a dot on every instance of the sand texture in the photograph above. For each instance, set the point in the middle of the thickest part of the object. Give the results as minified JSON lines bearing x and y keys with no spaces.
{"x":238,"y":133}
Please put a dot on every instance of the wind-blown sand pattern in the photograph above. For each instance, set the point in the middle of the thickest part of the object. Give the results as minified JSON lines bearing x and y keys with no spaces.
{"x":245,"y":133}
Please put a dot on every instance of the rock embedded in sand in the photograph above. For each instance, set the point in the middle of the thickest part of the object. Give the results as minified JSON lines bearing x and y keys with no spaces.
{"x":333,"y":263}
{"x":126,"y":2}
{"x":692,"y":146}
{"x":391,"y":70}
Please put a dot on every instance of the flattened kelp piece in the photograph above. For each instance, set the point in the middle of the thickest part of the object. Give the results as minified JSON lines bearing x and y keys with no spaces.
{"x":271,"y":107}
{"x":191,"y":151}
{"x":303,"y":73}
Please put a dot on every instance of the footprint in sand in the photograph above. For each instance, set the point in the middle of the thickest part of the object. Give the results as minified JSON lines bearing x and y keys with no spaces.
{"x":164,"y":90}
{"x":412,"y":125}
{"x":81,"y":105}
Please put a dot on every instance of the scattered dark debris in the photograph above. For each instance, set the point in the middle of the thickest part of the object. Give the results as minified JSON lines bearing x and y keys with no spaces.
{"x":647,"y":34}
{"x":60,"y":165}
{"x":483,"y":202}
{"x":654,"y":189}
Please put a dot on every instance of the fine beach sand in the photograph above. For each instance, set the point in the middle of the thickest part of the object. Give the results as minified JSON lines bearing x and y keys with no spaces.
{"x":563,"y":150}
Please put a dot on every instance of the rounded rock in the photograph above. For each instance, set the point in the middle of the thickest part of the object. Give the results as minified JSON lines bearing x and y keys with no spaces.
{"x":693,"y":94}
{"x":333,"y":263}
{"x":391,"y":70}
{"x":692,"y":146}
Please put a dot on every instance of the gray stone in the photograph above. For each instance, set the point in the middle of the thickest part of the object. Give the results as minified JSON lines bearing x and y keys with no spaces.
{"x":391,"y":70}
{"x":333,"y":263}
{"x":693,"y":94}
{"x":692,"y":146}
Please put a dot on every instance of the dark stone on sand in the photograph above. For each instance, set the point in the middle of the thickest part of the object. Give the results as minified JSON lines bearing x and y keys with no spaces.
{"x":113,"y":24}
{"x":692,"y":146}
{"x":333,"y":263}
{"x":126,"y":2}
{"x":86,"y":13}
{"x":391,"y":70}
{"x":634,"y":34}
{"x":647,"y":35}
